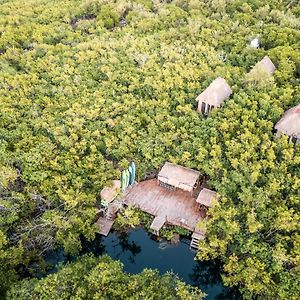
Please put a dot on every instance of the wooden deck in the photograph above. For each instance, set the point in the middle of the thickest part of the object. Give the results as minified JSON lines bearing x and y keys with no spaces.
{"x":158,"y":223}
{"x":104,"y":225}
{"x":176,"y":207}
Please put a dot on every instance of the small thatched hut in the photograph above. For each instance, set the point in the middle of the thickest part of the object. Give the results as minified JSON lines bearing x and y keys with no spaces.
{"x":108,"y":194}
{"x":214,"y":95}
{"x":174,"y":176}
{"x":266,"y":65}
{"x":207,"y":197}
{"x":289,"y":124}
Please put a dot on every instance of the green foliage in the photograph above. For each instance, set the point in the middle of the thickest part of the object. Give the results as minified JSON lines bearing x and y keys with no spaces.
{"x":130,"y":217}
{"x":109,"y":16}
{"x":259,"y":77}
{"x":10,"y":258}
{"x":81,"y":96}
{"x":169,"y":231}
{"x":102,"y":278}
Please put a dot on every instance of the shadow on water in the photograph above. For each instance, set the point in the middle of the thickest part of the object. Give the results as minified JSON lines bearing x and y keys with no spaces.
{"x":208,"y":274}
{"x":137,"y":250}
{"x":118,"y":243}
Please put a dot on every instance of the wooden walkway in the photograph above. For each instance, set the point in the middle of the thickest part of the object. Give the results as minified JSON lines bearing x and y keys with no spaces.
{"x":176,"y":207}
{"x":104,"y":225}
{"x":158,"y":223}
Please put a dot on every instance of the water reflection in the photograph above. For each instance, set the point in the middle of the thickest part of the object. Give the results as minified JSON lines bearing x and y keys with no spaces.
{"x":207,"y":274}
{"x":125,"y":245}
{"x":138,"y":250}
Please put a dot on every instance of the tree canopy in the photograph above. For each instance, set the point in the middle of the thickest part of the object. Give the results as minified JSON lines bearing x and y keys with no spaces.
{"x":102,"y":278}
{"x":87,"y":86}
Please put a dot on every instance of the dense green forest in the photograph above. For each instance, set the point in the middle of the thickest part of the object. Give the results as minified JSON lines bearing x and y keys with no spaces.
{"x":103,"y":278}
{"x":87,"y":86}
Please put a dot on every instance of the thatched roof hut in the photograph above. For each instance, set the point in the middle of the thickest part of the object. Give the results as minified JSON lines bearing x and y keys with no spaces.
{"x":265,"y":64}
{"x":289,"y":124}
{"x":207,"y":197}
{"x":178,"y":176}
{"x":108,"y":194}
{"x":214,"y":95}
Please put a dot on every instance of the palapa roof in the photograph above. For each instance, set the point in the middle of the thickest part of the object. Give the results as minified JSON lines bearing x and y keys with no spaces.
{"x":206,"y":197}
{"x":215,"y":93}
{"x":178,"y":176}
{"x":290,"y":122}
{"x":108,"y":194}
{"x":265,"y":64}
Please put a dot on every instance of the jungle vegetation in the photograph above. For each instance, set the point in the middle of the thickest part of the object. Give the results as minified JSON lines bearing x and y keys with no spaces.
{"x":102,"y":278}
{"x":86,"y":86}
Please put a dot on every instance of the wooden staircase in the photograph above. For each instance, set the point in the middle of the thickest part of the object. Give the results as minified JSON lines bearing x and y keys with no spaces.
{"x":196,"y":238}
{"x":112,"y":210}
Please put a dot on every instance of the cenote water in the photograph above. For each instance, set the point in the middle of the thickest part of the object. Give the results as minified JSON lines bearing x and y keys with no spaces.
{"x":137,"y":251}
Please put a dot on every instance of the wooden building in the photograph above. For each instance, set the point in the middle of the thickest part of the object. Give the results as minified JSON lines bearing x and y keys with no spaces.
{"x":170,"y":199}
{"x":266,"y":65}
{"x":207,"y":197}
{"x":109,"y":207}
{"x":174,"y":207}
{"x":289,"y":124}
{"x":173,"y":176}
{"x":213,"y":96}
{"x":108,"y":194}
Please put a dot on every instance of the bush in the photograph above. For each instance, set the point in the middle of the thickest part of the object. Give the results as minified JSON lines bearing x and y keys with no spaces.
{"x":109,"y":16}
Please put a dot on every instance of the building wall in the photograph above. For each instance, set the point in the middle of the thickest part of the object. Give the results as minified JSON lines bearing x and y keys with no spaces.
{"x":204,"y":108}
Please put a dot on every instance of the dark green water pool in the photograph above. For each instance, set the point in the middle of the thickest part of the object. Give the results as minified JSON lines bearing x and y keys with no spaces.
{"x":137,"y":250}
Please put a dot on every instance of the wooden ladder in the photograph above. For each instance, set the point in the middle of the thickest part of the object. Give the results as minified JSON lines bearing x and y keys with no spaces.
{"x":196,"y":238}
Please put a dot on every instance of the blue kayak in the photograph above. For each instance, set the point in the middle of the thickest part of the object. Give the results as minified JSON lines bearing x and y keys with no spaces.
{"x":132,"y":173}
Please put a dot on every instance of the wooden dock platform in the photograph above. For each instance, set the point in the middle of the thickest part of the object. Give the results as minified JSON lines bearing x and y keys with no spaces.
{"x":104,"y":225}
{"x":158,"y":223}
{"x":175,"y":207}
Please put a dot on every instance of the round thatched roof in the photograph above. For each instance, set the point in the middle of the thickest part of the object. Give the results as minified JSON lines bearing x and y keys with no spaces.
{"x":290,"y":122}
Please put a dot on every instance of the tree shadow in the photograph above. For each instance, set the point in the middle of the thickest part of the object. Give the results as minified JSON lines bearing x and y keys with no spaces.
{"x":207,"y":274}
{"x":95,"y":246}
{"x":126,"y":245}
{"x":229,"y":294}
